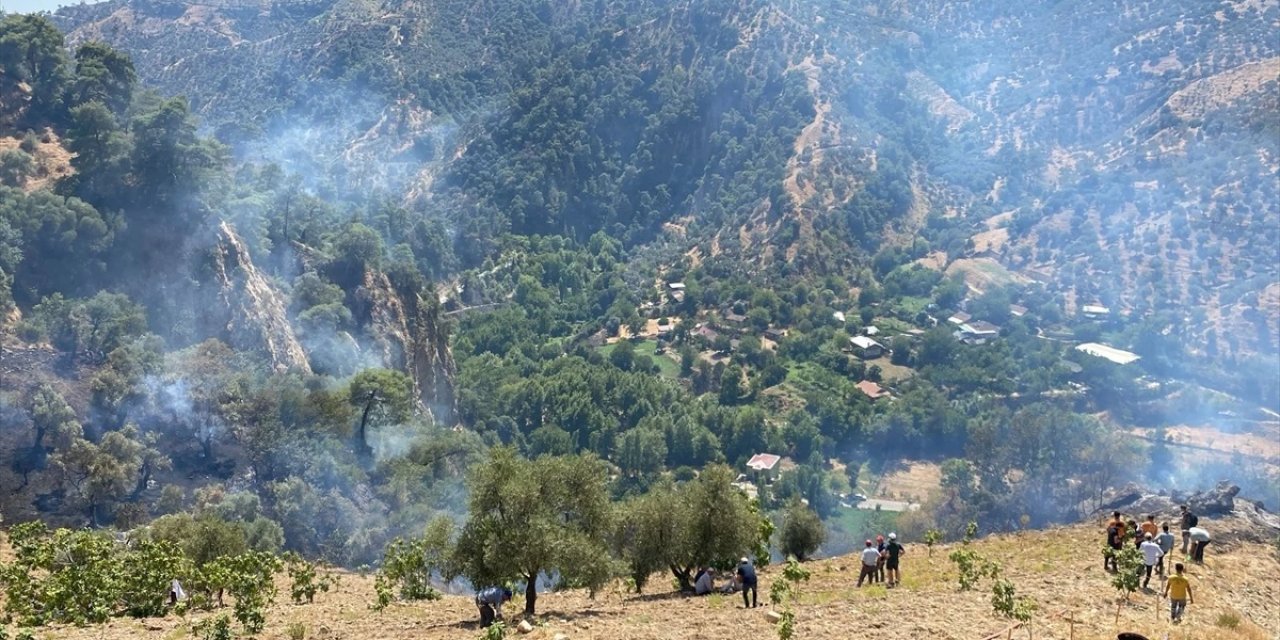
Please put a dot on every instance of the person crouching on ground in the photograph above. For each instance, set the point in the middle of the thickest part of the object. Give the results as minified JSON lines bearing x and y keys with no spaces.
{"x":747,"y":578}
{"x":1178,"y":590}
{"x":705,"y":582}
{"x":870,"y":562}
{"x":489,"y":602}
{"x":1200,"y":539}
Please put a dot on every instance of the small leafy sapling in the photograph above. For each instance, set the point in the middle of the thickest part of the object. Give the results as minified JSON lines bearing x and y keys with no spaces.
{"x":1006,"y":602}
{"x":785,"y":591}
{"x":931,"y":538}
{"x":971,"y":566}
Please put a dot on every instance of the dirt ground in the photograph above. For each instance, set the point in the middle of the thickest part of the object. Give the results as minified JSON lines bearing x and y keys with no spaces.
{"x":914,"y":481}
{"x":51,"y":161}
{"x":1060,"y":569}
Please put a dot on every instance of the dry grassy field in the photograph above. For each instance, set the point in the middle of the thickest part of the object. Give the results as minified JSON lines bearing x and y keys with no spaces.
{"x":1237,"y":596}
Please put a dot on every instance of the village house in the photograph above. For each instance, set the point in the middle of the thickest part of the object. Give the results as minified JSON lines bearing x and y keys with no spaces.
{"x":1095,"y":311}
{"x":1107,"y":352}
{"x":959,"y":318}
{"x":977,"y":332}
{"x":765,"y":465}
{"x":707,"y":332}
{"x":676,"y":291}
{"x":872,"y":390}
{"x":866,"y":348}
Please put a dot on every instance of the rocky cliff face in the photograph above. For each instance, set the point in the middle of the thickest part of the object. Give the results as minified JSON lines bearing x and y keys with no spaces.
{"x":251,"y":312}
{"x":406,"y":333}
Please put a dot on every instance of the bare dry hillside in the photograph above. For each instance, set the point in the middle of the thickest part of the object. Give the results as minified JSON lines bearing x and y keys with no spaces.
{"x":1236,"y":593}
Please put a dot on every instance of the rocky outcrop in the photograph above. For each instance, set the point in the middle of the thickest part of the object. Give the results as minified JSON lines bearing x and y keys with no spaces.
{"x":251,"y":312}
{"x":1242,"y":519}
{"x":407,"y":332}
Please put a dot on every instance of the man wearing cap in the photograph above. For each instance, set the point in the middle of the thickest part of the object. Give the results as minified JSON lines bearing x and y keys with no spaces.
{"x":747,"y":577}
{"x":893,"y":553}
{"x":870,"y":561}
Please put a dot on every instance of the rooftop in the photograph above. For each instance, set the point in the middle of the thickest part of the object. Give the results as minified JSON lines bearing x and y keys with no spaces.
{"x":959,"y":318}
{"x":863,"y":342}
{"x":979,"y":327}
{"x":872,"y":389}
{"x":763,"y":461}
{"x":1118,"y":356}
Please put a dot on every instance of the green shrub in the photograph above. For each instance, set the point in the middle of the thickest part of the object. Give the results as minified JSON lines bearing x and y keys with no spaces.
{"x":214,"y":628}
{"x":296,"y":631}
{"x":496,"y":631}
{"x":1228,"y":620}
{"x":307,"y":580}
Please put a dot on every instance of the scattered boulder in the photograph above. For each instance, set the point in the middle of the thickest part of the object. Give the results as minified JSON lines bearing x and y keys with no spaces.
{"x":1227,"y":519}
{"x":773,"y":616}
{"x":524,"y":627}
{"x":1215,"y":502}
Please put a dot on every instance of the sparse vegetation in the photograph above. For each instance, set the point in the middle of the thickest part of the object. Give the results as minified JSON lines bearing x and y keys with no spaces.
{"x":971,"y":566}
{"x":224,"y":357}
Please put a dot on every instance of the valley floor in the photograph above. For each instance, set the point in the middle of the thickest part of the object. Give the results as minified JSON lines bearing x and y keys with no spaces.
{"x":1237,"y":596}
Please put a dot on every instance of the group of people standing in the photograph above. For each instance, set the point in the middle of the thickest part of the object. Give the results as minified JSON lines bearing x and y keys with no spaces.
{"x":1155,"y":542}
{"x":881,"y":560}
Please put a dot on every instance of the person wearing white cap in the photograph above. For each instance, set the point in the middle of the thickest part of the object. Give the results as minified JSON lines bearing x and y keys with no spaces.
{"x":893,"y":552}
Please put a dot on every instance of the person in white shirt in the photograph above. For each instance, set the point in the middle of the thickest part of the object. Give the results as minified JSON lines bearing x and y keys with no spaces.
{"x":1151,"y":555}
{"x":705,"y":582}
{"x":1200,"y":538}
{"x":870,"y":562}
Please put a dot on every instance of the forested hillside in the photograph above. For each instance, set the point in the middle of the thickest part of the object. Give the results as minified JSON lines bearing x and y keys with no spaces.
{"x":547,"y":294}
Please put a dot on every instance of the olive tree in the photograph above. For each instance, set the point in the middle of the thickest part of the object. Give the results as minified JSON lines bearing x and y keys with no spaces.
{"x":527,"y":517}
{"x":704,"y":522}
{"x":802,"y":531}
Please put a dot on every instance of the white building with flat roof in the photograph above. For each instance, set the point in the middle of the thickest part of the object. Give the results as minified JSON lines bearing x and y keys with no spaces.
{"x":1118,"y":356}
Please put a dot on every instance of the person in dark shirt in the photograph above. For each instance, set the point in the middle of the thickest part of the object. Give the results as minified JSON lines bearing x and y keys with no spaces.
{"x":1115,"y":540}
{"x":747,"y":578}
{"x":880,"y":566}
{"x":1189,"y":520}
{"x":893,"y":554}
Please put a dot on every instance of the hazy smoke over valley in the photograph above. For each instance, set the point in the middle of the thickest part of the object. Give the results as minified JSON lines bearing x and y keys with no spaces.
{"x":981,"y":261}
